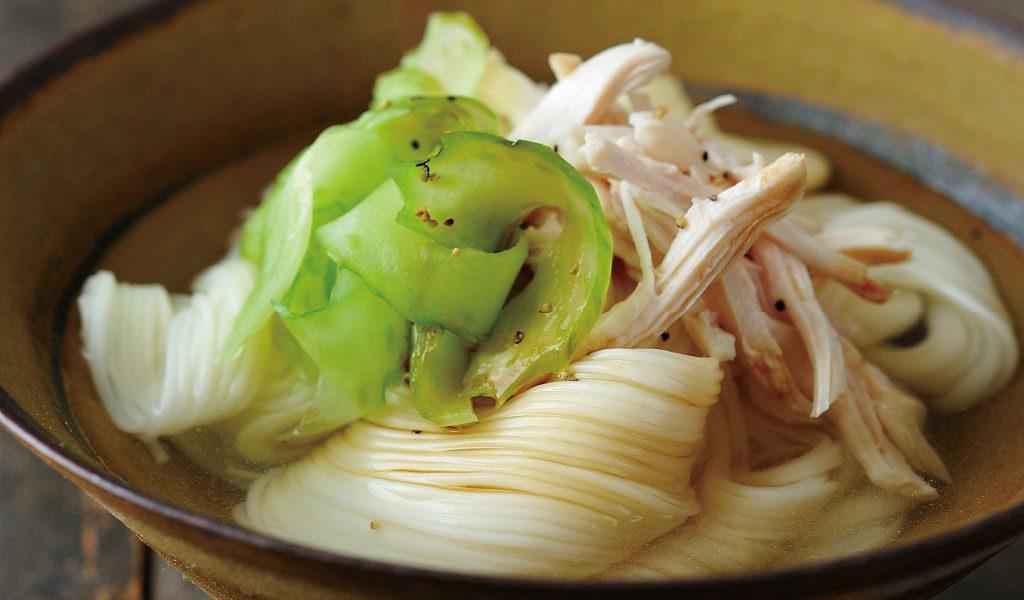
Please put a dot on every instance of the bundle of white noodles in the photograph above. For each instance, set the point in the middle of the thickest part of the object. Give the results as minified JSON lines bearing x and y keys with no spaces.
{"x":154,"y":357}
{"x":570,"y":478}
{"x":961,"y":348}
{"x":815,"y":450}
{"x":749,"y":514}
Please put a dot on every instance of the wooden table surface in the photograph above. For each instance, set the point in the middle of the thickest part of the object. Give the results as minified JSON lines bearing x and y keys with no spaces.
{"x":56,"y":543}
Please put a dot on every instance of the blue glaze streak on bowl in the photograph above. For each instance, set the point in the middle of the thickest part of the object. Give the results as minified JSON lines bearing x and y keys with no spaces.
{"x":999,"y":20}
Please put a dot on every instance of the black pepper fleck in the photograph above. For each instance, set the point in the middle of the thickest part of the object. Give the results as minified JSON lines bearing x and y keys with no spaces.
{"x":426,"y":175}
{"x":704,"y":156}
{"x":664,"y":336}
{"x":415,"y":144}
{"x":780,"y":305}
{"x":424,"y":215}
{"x":518,"y":337}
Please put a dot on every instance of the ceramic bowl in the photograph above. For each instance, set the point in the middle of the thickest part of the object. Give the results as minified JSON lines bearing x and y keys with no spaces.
{"x":136,"y":146}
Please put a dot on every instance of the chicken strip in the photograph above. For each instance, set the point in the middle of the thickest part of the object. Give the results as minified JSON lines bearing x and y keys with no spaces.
{"x":823,"y":260}
{"x":670,"y":141}
{"x":857,"y":417}
{"x":790,"y":282}
{"x":563,"y":63}
{"x":660,"y":225}
{"x":612,"y":160}
{"x":902,"y":416}
{"x":706,"y":331}
{"x":735,"y":295}
{"x":713,"y":233}
{"x":622,"y":240}
{"x":592,"y":89}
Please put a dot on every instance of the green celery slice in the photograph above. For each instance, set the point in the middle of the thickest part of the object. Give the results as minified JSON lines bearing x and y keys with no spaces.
{"x":338,"y":170}
{"x":326,"y":180}
{"x":347,"y":164}
{"x":413,"y":126}
{"x":437,"y":364}
{"x":427,"y":282}
{"x":312,"y":286}
{"x":251,"y":242}
{"x":403,"y":82}
{"x":453,"y":51}
{"x":287,"y":225}
{"x":488,"y":186}
{"x":343,"y":165}
{"x":359,"y":343}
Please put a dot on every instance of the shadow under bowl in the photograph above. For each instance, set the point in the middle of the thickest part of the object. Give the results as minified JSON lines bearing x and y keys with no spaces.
{"x":136,"y":146}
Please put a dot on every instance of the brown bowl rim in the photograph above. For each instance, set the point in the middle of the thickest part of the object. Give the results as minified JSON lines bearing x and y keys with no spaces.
{"x":979,"y":538}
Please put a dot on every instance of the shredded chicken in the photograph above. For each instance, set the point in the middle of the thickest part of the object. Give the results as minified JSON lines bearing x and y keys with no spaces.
{"x":901,"y":416}
{"x":789,"y":280}
{"x":736,"y":296}
{"x":856,"y":416}
{"x":670,"y":141}
{"x":704,"y":110}
{"x":704,"y":329}
{"x":563,"y":63}
{"x":659,"y":219}
{"x":687,"y":214}
{"x":614,"y":211}
{"x":591,"y":90}
{"x":610,"y":159}
{"x":713,"y":233}
{"x":824,"y":260}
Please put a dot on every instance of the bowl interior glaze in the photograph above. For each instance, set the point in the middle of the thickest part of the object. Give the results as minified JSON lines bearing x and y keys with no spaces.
{"x":136,"y":150}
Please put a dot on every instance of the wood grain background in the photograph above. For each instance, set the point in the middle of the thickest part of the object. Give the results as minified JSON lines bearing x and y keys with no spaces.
{"x":56,"y":543}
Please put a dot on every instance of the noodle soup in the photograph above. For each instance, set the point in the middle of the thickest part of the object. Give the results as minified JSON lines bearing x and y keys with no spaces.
{"x":681,"y":457}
